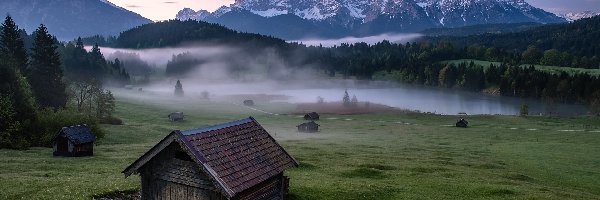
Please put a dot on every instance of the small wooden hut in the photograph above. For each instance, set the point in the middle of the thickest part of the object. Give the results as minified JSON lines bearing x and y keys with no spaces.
{"x":176,"y":116}
{"x":311,"y":116}
{"x":74,"y":141}
{"x":462,"y":123}
{"x":236,"y":160}
{"x":308,"y":127}
{"x":248,"y":103}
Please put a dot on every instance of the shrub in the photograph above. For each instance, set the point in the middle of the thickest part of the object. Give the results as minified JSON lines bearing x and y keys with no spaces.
{"x":50,"y":122}
{"x":524,"y":110}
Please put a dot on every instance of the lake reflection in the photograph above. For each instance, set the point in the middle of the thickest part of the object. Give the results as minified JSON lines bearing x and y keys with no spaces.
{"x":440,"y":101}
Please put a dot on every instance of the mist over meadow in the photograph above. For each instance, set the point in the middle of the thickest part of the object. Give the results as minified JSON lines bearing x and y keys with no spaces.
{"x":223,"y":71}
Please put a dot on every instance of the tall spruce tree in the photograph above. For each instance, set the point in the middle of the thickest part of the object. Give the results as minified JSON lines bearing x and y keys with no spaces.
{"x":17,"y":107}
{"x":178,"y":89}
{"x":12,"y":45}
{"x":46,"y":75}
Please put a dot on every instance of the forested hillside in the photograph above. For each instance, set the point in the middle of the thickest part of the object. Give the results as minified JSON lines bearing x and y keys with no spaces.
{"x":575,"y":44}
{"x":175,"y":32}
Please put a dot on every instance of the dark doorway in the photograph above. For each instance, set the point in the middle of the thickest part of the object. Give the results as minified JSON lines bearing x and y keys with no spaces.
{"x":62,"y":145}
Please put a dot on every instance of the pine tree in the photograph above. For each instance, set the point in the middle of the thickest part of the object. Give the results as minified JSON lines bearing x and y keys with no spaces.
{"x":46,"y":74}
{"x":12,"y":45}
{"x":354,"y":101}
{"x":17,"y":107}
{"x":178,"y":89}
{"x":346,"y":99}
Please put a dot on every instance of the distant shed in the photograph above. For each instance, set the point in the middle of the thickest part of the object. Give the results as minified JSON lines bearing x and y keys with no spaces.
{"x":248,"y":103}
{"x":74,"y":141}
{"x":236,"y":160}
{"x":308,"y":127}
{"x":176,"y":116}
{"x":462,"y":123}
{"x":312,"y":116}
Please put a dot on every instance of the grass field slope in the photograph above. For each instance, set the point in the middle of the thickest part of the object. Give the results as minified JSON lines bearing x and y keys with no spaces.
{"x":366,"y":156}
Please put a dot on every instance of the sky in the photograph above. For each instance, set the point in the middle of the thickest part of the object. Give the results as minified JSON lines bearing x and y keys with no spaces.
{"x":167,"y":9}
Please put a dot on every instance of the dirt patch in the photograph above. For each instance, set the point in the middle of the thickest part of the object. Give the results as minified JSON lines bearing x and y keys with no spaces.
{"x":340,"y":109}
{"x":264,"y":98}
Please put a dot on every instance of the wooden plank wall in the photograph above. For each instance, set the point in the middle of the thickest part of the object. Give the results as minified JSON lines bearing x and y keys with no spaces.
{"x":168,"y":178}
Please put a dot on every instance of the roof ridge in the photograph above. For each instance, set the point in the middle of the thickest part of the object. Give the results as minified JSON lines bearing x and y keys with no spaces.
{"x":216,"y":127}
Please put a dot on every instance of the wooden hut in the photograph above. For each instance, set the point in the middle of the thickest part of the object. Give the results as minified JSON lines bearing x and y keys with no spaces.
{"x":311,"y":116}
{"x":235,"y":160}
{"x":462,"y":123}
{"x":308,"y":127}
{"x":176,"y":116}
{"x":74,"y":141}
{"x":248,"y":103}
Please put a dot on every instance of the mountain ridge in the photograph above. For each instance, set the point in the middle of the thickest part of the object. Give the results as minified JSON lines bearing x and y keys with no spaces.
{"x":68,"y":19}
{"x":368,"y":17}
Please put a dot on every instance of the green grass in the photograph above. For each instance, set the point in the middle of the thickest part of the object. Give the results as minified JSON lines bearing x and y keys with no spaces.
{"x":371,"y":156}
{"x":549,"y":69}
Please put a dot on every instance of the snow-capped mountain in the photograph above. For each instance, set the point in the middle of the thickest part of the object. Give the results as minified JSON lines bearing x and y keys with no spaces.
{"x":580,"y":15}
{"x":365,"y":17}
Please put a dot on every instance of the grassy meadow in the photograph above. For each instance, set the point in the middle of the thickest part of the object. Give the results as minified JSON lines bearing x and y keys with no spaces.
{"x":366,"y":156}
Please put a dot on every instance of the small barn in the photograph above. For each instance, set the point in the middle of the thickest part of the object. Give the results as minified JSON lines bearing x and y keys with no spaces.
{"x":236,"y":160}
{"x":462,"y":123}
{"x":176,"y":116}
{"x":311,"y":116}
{"x":74,"y":141}
{"x":248,"y":103}
{"x":308,"y":127}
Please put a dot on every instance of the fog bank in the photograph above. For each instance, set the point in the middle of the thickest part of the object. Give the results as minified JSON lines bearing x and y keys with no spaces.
{"x":394,"y":38}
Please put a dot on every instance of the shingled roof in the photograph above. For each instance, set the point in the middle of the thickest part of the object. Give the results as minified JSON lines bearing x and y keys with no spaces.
{"x":79,"y":134}
{"x":237,"y":155}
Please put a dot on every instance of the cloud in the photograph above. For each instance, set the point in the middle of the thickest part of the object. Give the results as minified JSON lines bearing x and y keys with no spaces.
{"x":170,"y":2}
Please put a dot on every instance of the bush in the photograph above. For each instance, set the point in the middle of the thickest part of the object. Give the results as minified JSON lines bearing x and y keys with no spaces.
{"x":524,"y":110}
{"x":50,"y":122}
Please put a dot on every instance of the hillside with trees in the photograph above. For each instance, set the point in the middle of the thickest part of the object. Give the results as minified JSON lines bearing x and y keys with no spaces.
{"x":175,"y":32}
{"x":50,"y":86}
{"x":576,"y":44}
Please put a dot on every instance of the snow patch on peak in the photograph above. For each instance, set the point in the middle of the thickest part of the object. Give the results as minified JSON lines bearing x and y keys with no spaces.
{"x":313,"y":13}
{"x":356,"y":11}
{"x":270,"y":12}
{"x":576,"y":16}
{"x":423,"y":5}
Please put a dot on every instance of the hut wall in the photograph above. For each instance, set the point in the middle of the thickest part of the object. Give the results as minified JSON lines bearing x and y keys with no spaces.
{"x":86,"y":149}
{"x":71,"y":147}
{"x":307,"y":128}
{"x":273,"y":188}
{"x":169,"y":177}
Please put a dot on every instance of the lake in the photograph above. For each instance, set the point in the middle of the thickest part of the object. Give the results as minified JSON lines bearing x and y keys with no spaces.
{"x":423,"y":99}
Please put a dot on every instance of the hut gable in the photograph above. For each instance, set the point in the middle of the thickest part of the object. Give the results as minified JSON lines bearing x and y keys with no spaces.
{"x":74,"y":141}
{"x":311,"y":116}
{"x":176,"y":116}
{"x":239,"y":158}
